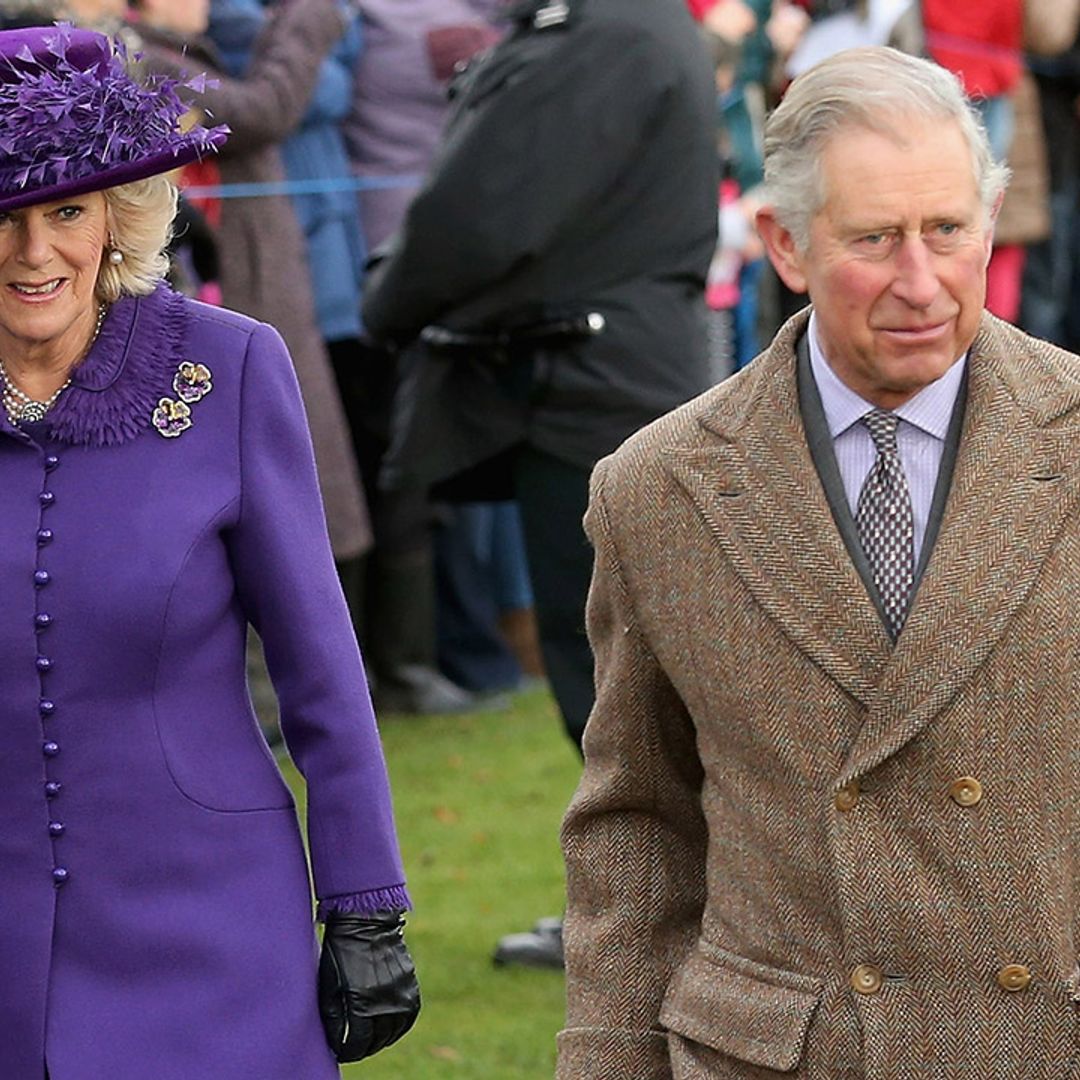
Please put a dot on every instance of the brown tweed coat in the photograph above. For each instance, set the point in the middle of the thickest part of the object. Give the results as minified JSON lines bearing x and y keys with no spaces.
{"x":799,"y":851}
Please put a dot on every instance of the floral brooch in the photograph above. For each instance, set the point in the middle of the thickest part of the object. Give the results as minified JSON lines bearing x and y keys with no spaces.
{"x":191,"y":383}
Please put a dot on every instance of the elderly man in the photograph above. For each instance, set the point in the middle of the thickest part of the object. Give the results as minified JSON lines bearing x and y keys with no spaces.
{"x":828,"y":825}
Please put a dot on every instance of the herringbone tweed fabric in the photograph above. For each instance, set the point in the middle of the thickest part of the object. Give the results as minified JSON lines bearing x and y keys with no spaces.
{"x":720,"y":895}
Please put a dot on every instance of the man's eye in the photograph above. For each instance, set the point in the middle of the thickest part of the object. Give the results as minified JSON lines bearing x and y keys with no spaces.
{"x":948,"y":228}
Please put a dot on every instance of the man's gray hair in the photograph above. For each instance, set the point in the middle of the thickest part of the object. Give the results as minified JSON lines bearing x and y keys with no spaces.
{"x":872,"y":88}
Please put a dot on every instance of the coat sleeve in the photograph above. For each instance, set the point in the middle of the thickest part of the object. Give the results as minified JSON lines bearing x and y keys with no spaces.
{"x":288,"y":586}
{"x":542,"y":134}
{"x":634,"y":839}
{"x":269,"y":102}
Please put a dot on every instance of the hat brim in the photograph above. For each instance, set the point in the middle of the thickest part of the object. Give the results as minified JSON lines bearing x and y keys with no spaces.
{"x":187,"y":148}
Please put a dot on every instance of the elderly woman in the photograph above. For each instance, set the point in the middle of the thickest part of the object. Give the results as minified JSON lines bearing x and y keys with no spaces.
{"x":158,"y":493}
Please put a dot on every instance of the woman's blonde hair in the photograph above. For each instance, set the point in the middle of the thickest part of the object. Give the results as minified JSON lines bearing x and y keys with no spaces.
{"x":140,"y":219}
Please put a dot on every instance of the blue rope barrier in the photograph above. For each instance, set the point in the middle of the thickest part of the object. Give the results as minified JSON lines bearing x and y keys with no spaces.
{"x":301,"y":187}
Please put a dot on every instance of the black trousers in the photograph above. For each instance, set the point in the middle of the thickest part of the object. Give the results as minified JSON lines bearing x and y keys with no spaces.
{"x":553,"y":496}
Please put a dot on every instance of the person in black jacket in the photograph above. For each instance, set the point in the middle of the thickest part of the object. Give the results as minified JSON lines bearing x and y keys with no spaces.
{"x":553,"y":267}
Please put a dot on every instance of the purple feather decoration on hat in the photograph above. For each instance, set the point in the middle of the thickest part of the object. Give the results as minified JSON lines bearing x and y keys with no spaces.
{"x":62,"y":121}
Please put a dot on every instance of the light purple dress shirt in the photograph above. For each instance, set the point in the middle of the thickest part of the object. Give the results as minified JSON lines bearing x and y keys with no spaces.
{"x":920,"y":437}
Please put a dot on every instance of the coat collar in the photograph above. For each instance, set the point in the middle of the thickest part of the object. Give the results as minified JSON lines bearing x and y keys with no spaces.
{"x":1015,"y":483}
{"x":128,"y":369}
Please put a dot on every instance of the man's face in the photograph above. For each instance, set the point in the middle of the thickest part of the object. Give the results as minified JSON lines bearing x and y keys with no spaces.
{"x":896,"y":261}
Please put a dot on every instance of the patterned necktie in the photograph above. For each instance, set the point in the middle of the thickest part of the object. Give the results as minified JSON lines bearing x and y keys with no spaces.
{"x":885,"y":521}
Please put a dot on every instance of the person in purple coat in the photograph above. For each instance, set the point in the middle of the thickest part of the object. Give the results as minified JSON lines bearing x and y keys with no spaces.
{"x":158,"y":494}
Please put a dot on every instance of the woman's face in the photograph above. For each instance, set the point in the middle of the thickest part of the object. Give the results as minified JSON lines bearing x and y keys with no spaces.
{"x":94,"y":11}
{"x":188,"y":18}
{"x":49,"y":260}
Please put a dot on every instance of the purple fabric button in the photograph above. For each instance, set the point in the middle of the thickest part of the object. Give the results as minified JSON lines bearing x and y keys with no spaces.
{"x":46,"y":498}
{"x":46,"y":707}
{"x":42,"y":620}
{"x":56,"y":828}
{"x":51,"y":461}
{"x":44,"y":536}
{"x":50,"y":749}
{"x":52,"y":788}
{"x":60,"y":875}
{"x":41,"y":578}
{"x":43,"y":664}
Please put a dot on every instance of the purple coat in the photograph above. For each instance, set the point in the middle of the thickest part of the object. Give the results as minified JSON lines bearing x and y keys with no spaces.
{"x":155,"y":912}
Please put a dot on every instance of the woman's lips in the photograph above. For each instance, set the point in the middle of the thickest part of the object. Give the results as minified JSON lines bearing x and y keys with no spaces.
{"x":36,"y":291}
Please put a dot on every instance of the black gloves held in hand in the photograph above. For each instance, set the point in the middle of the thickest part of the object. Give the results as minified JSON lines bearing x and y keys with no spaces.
{"x":368,"y":994}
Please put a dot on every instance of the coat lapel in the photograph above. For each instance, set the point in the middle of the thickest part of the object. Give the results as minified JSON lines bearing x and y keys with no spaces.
{"x":1015,"y":483}
{"x":754,"y":483}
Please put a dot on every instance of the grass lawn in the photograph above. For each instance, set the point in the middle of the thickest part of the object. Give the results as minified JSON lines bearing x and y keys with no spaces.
{"x":478,"y":800}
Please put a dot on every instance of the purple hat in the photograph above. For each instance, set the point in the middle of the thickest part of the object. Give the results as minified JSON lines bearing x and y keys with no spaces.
{"x":72,"y":119}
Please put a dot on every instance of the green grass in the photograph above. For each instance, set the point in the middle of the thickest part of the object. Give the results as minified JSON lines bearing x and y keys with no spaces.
{"x":478,"y":801}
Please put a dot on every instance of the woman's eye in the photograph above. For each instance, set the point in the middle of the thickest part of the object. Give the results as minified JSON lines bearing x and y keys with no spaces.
{"x":68,"y":213}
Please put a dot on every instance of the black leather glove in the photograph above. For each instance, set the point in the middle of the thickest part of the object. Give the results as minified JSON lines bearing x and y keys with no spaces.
{"x":368,"y":993}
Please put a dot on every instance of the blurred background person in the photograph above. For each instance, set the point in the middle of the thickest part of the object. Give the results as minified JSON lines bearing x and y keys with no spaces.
{"x":264,"y":267}
{"x":263,"y":262}
{"x":317,"y":166}
{"x":1051,"y":281}
{"x":398,"y":111}
{"x":553,"y":265}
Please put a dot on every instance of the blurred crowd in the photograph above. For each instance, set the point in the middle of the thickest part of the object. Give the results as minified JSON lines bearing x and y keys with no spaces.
{"x":338,"y":111}
{"x":1019,"y":63}
{"x":337,"y":108}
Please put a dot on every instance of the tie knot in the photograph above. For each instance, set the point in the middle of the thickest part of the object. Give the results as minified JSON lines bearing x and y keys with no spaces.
{"x":882,"y":427}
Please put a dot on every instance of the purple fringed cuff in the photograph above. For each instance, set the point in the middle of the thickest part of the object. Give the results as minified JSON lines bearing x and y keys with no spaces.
{"x":395,"y":898}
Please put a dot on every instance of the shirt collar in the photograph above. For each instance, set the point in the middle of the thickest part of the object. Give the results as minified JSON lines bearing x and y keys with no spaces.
{"x":930,"y":409}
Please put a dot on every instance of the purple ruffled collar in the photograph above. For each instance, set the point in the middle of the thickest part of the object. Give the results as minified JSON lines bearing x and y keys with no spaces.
{"x":114,"y":390}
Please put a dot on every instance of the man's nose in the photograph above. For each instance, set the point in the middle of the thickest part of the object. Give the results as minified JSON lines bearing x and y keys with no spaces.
{"x":916,"y":281}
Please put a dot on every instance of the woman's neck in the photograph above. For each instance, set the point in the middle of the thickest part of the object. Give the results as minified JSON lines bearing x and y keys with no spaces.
{"x":40,"y":368}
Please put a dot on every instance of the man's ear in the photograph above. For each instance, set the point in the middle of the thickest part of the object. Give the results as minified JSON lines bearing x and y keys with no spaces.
{"x":994,"y":211}
{"x":781,"y":249}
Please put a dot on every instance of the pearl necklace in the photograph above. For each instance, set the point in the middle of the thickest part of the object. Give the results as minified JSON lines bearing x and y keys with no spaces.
{"x":20,"y":406}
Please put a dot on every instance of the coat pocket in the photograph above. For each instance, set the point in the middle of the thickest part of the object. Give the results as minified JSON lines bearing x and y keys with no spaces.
{"x":756,"y":1014}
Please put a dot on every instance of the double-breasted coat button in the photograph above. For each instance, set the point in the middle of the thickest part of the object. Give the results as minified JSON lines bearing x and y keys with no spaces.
{"x":966,"y":791}
{"x":866,"y":979}
{"x":43,"y":664}
{"x":52,"y":788}
{"x":42,"y":620}
{"x":46,"y":707}
{"x":50,"y":748}
{"x":41,"y":578}
{"x":60,"y":875}
{"x":847,"y":797}
{"x":1014,"y":977}
{"x":56,"y":828}
{"x":51,"y":461}
{"x":44,"y":536}
{"x":46,"y":498}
